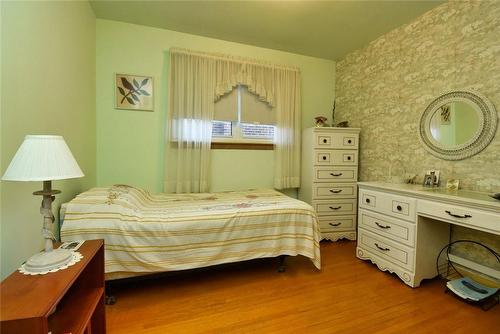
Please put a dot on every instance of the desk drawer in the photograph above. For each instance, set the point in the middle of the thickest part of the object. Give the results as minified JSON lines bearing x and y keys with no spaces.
{"x":336,"y":140}
{"x":461,"y":215}
{"x":334,"y":190}
{"x":335,"y":174}
{"x":336,"y":223}
{"x":395,"y":229}
{"x":338,"y":157}
{"x":389,"y":204}
{"x":392,"y":251}
{"x":335,"y":207}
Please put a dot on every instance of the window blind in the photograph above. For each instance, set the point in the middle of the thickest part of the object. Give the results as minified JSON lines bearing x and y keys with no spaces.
{"x":226,"y":108}
{"x":254,"y":110}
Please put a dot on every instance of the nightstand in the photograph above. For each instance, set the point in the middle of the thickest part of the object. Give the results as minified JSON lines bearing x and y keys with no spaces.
{"x":66,"y":301}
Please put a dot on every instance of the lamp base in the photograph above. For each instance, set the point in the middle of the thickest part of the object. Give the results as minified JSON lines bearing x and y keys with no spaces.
{"x":46,"y":261}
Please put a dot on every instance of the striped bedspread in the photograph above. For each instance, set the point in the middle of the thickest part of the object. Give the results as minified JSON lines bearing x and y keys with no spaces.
{"x":147,"y":233}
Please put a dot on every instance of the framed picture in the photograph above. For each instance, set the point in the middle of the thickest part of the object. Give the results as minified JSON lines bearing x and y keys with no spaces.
{"x":431,"y":178}
{"x":427,"y":181}
{"x":133,"y":92}
{"x":445,"y":115}
{"x":452,"y":184}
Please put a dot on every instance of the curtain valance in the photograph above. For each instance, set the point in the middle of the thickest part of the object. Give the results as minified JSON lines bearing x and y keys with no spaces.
{"x":230,"y":71}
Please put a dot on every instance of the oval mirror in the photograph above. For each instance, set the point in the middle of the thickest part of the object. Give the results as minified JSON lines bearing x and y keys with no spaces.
{"x":458,"y":125}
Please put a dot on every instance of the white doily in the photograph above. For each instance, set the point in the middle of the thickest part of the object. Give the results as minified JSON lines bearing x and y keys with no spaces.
{"x":76,"y":257}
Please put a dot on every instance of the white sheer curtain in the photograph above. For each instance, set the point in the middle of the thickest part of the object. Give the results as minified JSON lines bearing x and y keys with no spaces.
{"x":189,"y":122}
{"x":288,"y":129}
{"x":197,"y":80}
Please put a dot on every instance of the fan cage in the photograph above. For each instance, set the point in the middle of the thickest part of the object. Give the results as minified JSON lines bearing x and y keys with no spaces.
{"x":449,"y":270}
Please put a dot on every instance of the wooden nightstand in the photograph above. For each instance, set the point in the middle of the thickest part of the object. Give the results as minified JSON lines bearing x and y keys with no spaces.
{"x":76,"y":294}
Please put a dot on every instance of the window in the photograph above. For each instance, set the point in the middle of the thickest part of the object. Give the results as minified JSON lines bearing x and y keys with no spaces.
{"x":241,"y":117}
{"x":222,"y":129}
{"x":257,"y":131}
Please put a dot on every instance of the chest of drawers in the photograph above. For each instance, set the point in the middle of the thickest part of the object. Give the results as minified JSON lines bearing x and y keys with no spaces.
{"x":329,"y":175}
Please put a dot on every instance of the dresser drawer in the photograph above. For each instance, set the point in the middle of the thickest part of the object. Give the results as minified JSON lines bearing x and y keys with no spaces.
{"x":395,"y":229}
{"x":335,"y":157}
{"x":334,"y":190}
{"x":337,"y":223}
{"x":389,"y":204}
{"x":335,"y":207}
{"x":336,"y":140}
{"x":460,"y":215}
{"x":335,"y":174}
{"x":392,"y":251}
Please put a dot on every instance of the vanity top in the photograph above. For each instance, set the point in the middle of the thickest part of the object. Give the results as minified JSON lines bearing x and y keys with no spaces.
{"x":460,"y":197}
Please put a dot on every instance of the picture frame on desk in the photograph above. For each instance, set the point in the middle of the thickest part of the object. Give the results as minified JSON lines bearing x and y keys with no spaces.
{"x":431,"y":178}
{"x":452,"y":184}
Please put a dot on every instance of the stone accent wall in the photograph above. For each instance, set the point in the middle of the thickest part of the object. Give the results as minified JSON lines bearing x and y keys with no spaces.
{"x":384,"y":87}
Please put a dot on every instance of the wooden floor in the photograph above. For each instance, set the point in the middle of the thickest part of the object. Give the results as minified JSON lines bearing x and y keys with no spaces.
{"x":347,"y":296}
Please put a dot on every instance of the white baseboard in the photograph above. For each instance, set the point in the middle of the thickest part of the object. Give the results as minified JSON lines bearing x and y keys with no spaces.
{"x":475,"y":266}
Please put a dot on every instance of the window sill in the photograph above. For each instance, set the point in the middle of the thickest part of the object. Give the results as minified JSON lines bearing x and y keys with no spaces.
{"x":240,"y":146}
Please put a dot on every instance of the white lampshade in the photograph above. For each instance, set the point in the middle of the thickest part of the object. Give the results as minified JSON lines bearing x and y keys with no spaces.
{"x":42,"y":158}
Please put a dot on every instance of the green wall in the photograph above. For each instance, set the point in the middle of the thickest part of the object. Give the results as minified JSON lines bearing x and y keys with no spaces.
{"x":47,"y":87}
{"x":52,"y":84}
{"x":130,"y":143}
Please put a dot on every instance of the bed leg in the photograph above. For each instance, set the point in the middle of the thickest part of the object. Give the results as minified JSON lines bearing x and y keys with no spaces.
{"x":109,"y":298}
{"x":281,"y":265}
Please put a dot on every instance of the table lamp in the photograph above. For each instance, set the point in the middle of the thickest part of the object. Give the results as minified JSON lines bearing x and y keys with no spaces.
{"x":44,"y":158}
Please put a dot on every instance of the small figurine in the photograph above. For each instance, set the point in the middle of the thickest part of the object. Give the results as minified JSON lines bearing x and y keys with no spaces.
{"x":343,"y":124}
{"x":411,"y":178}
{"x":320,"y":121}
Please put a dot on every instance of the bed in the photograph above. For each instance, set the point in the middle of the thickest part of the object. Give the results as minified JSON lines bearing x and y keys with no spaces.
{"x":148,"y":233}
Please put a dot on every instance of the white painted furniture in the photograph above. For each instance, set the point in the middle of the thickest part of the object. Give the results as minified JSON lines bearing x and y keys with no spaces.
{"x":402,"y":228}
{"x":329,"y":175}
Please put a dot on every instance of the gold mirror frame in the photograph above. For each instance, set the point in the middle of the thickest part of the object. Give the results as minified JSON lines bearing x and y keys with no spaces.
{"x":482,"y":137}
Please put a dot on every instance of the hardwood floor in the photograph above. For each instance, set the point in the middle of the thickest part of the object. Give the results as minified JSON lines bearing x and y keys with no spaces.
{"x":347,"y":296}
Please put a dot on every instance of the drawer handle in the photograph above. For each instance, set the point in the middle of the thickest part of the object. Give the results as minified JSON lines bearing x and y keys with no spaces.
{"x":367,"y":200}
{"x":333,"y":174}
{"x":382,"y":226}
{"x":324,"y":157}
{"x":382,"y":248}
{"x":458,"y":216}
{"x":335,"y":208}
{"x":349,"y":141}
{"x":399,"y":208}
{"x":324,"y":141}
{"x":349,"y":157}
{"x":335,"y":191}
{"x":334,"y":224}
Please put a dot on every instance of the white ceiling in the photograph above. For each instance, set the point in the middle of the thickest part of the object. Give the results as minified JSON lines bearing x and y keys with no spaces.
{"x":324,"y":29}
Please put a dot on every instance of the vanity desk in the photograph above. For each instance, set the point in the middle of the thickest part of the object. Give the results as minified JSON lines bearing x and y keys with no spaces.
{"x":402,"y":227}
